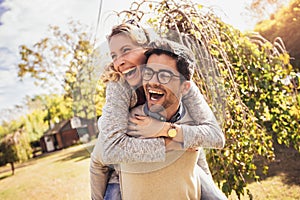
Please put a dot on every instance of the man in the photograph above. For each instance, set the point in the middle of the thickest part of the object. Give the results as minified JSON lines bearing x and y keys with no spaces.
{"x":166,"y":78}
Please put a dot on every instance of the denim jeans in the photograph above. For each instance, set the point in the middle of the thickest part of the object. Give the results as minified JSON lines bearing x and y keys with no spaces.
{"x":113,"y":192}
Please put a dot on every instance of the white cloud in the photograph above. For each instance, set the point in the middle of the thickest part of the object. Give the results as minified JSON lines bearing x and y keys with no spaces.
{"x":27,"y":21}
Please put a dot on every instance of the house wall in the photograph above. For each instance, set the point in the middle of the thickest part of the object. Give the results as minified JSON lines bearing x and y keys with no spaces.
{"x":59,"y":140}
{"x":69,"y":137}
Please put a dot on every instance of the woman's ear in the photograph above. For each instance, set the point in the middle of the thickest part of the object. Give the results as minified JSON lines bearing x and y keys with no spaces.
{"x":185,"y":87}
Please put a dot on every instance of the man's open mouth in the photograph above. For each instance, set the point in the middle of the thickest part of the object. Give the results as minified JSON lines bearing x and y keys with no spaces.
{"x":155,"y":95}
{"x":129,"y":72}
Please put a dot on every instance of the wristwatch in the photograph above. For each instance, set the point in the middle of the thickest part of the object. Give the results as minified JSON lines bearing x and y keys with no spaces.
{"x":172,"y":132}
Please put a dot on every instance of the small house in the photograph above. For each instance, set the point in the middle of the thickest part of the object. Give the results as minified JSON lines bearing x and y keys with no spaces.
{"x":63,"y":135}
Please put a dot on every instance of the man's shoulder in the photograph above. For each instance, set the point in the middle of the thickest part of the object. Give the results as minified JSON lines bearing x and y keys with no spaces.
{"x":186,"y":118}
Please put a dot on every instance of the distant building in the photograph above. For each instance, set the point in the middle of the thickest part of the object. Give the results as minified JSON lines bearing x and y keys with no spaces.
{"x":63,"y":134}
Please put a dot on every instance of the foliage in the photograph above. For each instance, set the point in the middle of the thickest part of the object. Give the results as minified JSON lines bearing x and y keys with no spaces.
{"x":261,"y":9}
{"x":99,"y":97}
{"x":15,"y":147}
{"x":17,"y":135}
{"x":42,"y":111}
{"x":245,"y":79}
{"x":66,"y":59}
{"x":10,"y":127}
{"x":57,"y":108}
{"x":8,"y":153}
{"x":284,"y":24}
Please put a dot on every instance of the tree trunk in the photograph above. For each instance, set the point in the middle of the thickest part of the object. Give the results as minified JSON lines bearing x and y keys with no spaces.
{"x":12,"y":168}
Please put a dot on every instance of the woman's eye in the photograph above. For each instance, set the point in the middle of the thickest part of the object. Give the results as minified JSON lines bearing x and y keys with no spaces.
{"x":125,"y":50}
{"x":113,"y":57}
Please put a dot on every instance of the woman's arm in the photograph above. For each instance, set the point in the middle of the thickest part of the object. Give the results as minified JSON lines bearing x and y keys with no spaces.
{"x":207,"y":133}
{"x":117,"y":146}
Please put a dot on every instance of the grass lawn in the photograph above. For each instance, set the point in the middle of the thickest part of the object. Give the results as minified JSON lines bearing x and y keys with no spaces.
{"x":283,"y":179}
{"x":58,"y":175}
{"x":64,"y":175}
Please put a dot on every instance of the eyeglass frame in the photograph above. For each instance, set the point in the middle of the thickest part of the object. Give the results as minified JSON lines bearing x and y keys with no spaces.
{"x":157,"y":75}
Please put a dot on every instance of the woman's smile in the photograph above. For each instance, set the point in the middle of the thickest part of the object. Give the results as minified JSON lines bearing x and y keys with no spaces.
{"x":129,"y":73}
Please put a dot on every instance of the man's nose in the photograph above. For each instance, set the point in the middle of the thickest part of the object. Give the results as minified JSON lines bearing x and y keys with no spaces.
{"x":154,"y":79}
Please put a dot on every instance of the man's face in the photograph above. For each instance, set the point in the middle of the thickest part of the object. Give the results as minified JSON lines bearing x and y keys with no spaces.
{"x":163,"y":96}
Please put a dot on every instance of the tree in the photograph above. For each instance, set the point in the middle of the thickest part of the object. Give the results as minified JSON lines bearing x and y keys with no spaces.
{"x":242,"y":77}
{"x":8,"y":153}
{"x":53,"y":108}
{"x":65,"y":63}
{"x":262,"y":9}
{"x":284,"y":24}
{"x":18,"y":135}
{"x":14,"y":148}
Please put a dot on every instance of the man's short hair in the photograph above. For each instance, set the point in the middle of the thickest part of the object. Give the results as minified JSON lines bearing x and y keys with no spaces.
{"x":183,"y":56}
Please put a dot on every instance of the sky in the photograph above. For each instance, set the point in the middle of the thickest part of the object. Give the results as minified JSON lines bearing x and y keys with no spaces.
{"x":25,"y":22}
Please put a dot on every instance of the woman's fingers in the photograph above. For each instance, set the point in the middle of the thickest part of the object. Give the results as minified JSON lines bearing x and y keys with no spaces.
{"x":133,"y":133}
{"x":140,"y":117}
{"x":131,"y":127}
{"x":133,"y":120}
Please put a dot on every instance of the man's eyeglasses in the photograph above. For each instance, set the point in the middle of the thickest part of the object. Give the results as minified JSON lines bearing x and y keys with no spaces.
{"x":163,"y":76}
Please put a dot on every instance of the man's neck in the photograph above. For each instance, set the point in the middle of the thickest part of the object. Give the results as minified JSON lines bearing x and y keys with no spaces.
{"x":180,"y":112}
{"x":172,"y":111}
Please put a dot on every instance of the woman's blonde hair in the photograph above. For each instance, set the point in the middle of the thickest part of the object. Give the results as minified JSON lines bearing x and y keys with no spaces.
{"x":137,"y":34}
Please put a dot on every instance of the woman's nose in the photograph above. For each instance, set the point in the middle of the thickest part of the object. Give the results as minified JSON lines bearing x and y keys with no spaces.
{"x":118,"y":63}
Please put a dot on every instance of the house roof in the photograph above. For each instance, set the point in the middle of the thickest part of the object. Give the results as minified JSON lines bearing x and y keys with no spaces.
{"x":56,"y":127}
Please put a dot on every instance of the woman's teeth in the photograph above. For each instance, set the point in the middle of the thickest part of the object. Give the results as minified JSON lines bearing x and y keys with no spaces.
{"x":129,"y":72}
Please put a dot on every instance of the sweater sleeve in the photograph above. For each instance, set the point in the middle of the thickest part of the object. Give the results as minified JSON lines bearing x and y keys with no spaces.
{"x":207,"y":133}
{"x":117,"y":146}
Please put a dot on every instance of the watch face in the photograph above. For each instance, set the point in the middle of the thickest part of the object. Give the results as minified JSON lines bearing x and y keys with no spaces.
{"x":172,"y":132}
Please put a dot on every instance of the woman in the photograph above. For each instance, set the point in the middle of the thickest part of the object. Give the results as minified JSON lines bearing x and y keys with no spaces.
{"x":127,"y":45}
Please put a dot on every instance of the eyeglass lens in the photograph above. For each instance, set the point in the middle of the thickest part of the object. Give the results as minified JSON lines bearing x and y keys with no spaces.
{"x":163,"y":76}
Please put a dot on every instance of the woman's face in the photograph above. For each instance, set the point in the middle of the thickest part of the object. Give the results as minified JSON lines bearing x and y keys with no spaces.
{"x":127,"y":58}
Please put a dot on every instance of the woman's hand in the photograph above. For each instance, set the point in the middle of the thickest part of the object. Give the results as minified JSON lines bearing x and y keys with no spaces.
{"x":145,"y":127}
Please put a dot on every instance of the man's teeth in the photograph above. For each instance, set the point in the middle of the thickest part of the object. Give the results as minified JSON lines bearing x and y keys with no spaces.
{"x":155,"y":92}
{"x":155,"y":95}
